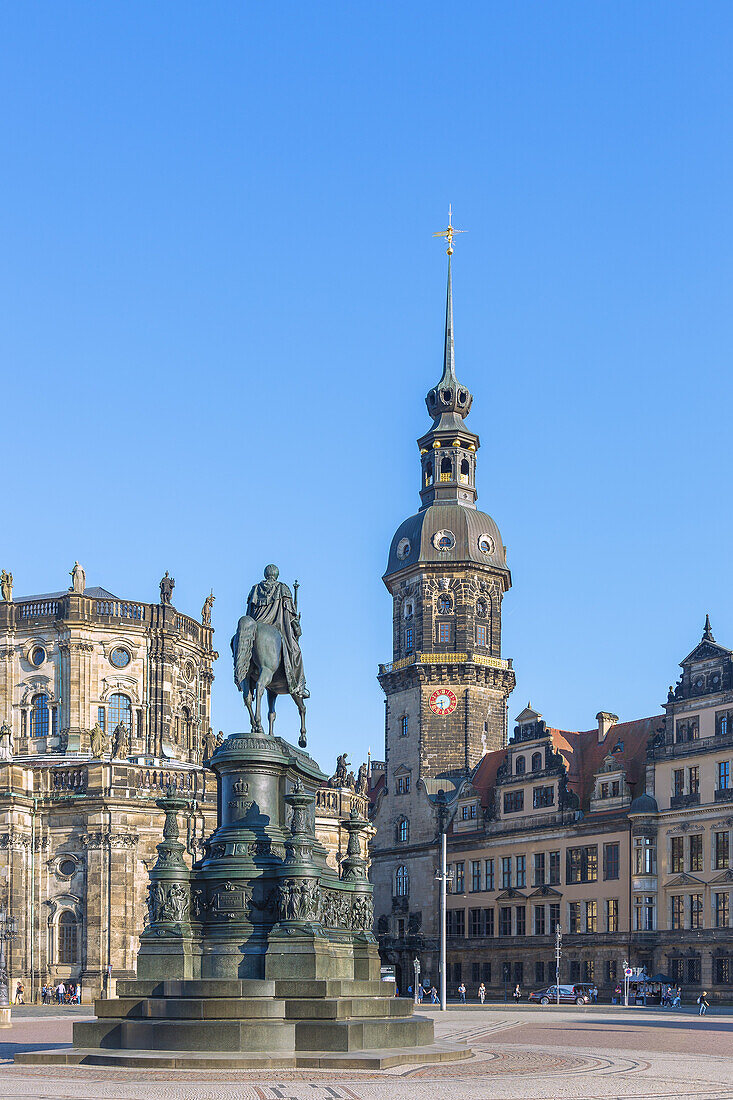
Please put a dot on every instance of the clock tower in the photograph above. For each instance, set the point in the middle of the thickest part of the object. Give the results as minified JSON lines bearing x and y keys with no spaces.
{"x":447,"y":683}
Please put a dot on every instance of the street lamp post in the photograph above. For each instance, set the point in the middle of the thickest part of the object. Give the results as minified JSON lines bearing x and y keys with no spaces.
{"x":444,"y":877}
{"x":558,"y":956}
{"x":8,"y":929}
{"x":416,"y":987}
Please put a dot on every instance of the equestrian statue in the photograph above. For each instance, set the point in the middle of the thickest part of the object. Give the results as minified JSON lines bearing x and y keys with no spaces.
{"x":267,"y":653}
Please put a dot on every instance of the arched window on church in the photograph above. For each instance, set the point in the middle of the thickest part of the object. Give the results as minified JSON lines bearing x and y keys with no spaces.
{"x":444,"y":605}
{"x":39,"y":716}
{"x":464,"y":471}
{"x":68,"y":938}
{"x":403,"y":830}
{"x":120,"y":710}
{"x":186,"y":726}
{"x":521,"y":765}
{"x":446,"y":470}
{"x":428,"y":474}
{"x":536,"y":761}
{"x":402,"y":882}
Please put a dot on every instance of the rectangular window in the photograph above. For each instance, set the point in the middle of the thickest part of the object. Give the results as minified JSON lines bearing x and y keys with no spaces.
{"x":610,"y":861}
{"x":721,"y":910}
{"x":554,"y":917}
{"x":489,"y":872}
{"x":696,"y":911}
{"x":610,"y":971}
{"x":505,"y":921}
{"x":722,"y":851}
{"x":574,"y":917}
{"x":457,"y":972}
{"x":486,"y":972}
{"x":468,"y":813}
{"x":475,"y":973}
{"x":506,"y":872}
{"x":481,"y":634}
{"x":612,"y":914}
{"x":616,"y":788}
{"x":539,"y":920}
{"x":677,"y":861}
{"x":603,"y":792}
{"x":443,"y":633}
{"x":543,"y":796}
{"x":101,"y":718}
{"x":521,"y":920}
{"x":589,"y":970}
{"x":488,"y":922}
{"x":723,"y":775}
{"x":408,"y":639}
{"x":678,"y":776}
{"x":140,"y":725}
{"x":521,"y":879}
{"x":574,"y":970}
{"x":539,"y":973}
{"x":677,"y":970}
{"x":678,"y":912}
{"x":456,"y":922}
{"x":696,"y":852}
{"x":403,"y":784}
{"x":554,"y":879}
{"x":693,"y":971}
{"x":404,"y":726}
{"x":459,"y":879}
{"x":693,"y":780}
{"x":644,"y":913}
{"x":538,"y":875}
{"x":474,"y":922}
{"x":519,"y":973}
{"x":724,"y":970}
{"x":723,"y":722}
{"x":475,"y":875}
{"x":24,"y":722}
{"x":645,"y":856}
{"x":513,"y":802}
{"x":591,"y":916}
{"x":582,"y":864}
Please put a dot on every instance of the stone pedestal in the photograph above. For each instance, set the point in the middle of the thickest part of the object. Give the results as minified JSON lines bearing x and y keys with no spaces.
{"x":262,"y":954}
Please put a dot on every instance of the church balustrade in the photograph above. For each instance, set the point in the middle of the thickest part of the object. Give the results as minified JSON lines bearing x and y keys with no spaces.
{"x":188,"y":626}
{"x":446,"y":659}
{"x":120,"y":609}
{"x":39,"y":609}
{"x":66,"y":780}
{"x":338,"y":802}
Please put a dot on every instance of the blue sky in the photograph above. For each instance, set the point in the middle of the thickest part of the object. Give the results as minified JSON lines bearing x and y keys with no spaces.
{"x":222,"y":308}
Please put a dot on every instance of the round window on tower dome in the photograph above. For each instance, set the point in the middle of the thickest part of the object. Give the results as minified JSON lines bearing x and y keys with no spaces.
{"x":403,"y":549}
{"x":38,"y":656}
{"x":67,"y":868}
{"x":444,"y":540}
{"x":119,"y":657}
{"x":486,"y":544}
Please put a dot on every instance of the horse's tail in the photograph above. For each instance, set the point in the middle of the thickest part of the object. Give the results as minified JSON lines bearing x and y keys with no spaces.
{"x":242,"y":644}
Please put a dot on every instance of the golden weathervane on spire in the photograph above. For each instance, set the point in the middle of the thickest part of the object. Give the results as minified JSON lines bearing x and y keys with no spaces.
{"x":448,"y":233}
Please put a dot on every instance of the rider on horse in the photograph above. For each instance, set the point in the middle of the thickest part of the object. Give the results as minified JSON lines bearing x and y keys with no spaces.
{"x":271,"y":601}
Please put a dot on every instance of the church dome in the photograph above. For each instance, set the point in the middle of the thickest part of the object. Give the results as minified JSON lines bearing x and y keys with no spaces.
{"x":644,"y":804}
{"x":446,"y":533}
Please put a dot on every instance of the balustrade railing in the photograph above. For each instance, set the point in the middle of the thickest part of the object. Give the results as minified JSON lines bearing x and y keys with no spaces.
{"x":120,"y":609}
{"x":38,"y":609}
{"x":339,"y":802}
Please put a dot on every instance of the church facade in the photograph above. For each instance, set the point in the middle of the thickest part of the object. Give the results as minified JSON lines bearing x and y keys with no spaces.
{"x":620,"y":835}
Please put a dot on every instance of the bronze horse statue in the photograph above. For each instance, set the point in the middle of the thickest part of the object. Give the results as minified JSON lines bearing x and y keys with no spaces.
{"x":258,"y":667}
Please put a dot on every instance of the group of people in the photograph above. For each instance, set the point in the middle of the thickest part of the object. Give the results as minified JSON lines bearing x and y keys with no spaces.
{"x":61,"y":994}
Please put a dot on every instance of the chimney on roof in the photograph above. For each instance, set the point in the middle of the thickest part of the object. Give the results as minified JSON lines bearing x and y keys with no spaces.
{"x":605,"y":720}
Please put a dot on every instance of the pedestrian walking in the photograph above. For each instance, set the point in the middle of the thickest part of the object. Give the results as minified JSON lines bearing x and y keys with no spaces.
{"x":462,"y":993}
{"x":60,"y":991}
{"x":482,"y":992}
{"x":78,"y":993}
{"x":19,"y":994}
{"x":594,"y":994}
{"x":517,"y":994}
{"x":434,"y":996}
{"x":702,"y":1000}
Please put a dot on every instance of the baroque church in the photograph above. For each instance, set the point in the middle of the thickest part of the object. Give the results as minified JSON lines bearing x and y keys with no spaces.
{"x":105,"y":703}
{"x":619,"y":836}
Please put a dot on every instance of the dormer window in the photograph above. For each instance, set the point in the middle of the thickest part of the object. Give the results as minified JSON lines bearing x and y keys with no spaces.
{"x":536,"y":761}
{"x":619,"y":746}
{"x":521,"y":766}
{"x":468,"y":813}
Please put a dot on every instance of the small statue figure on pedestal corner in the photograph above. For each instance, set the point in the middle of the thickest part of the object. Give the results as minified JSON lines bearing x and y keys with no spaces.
{"x":120,"y":741}
{"x":167,"y":584}
{"x":6,"y":586}
{"x":362,"y":780}
{"x":78,"y":580}
{"x":266,"y":651}
{"x":209,"y":744}
{"x":206,"y":609}
{"x":6,"y":742}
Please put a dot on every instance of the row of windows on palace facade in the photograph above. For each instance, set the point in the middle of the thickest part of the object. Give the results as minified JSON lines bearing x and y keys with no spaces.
{"x":688,"y":729}
{"x":685,"y":911}
{"x":41,"y":719}
{"x":681,"y":970}
{"x":686,"y":853}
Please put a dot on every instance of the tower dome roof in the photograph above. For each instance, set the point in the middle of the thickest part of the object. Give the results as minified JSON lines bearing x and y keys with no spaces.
{"x":447,"y":533}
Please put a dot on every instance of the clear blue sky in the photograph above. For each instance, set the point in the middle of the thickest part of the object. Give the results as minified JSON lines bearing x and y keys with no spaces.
{"x":222,"y":308}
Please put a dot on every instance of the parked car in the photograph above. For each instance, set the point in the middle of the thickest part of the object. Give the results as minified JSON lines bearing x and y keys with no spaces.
{"x":569,"y":995}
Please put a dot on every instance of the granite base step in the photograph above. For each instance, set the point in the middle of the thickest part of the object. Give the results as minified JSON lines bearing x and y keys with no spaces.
{"x":205,"y":1060}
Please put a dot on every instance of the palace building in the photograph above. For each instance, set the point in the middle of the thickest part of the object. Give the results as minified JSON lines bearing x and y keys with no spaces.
{"x":105,"y":703}
{"x":620,"y":835}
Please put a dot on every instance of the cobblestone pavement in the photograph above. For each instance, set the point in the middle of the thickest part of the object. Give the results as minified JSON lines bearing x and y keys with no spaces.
{"x":537,"y":1054}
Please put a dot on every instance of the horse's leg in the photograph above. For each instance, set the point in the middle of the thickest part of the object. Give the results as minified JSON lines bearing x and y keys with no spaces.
{"x":247,"y":693}
{"x":263,"y":680}
{"x":271,"y":697}
{"x":300,"y":704}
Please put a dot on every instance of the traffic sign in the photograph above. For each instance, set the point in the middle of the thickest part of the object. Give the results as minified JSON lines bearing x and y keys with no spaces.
{"x":628,"y":972}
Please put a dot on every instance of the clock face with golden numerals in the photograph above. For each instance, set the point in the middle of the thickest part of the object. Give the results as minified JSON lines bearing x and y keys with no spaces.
{"x":443,"y":701}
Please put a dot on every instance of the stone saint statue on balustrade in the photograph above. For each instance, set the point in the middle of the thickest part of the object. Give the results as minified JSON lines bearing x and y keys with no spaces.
{"x":6,"y":742}
{"x":266,"y":651}
{"x":6,"y":586}
{"x":78,"y":579}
